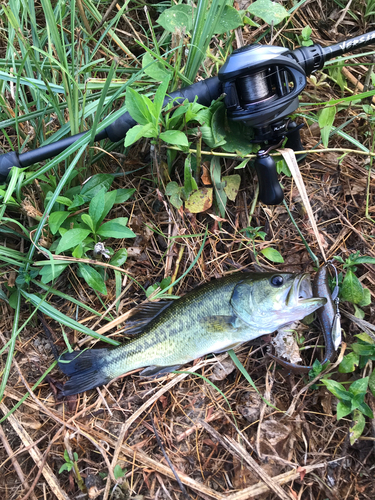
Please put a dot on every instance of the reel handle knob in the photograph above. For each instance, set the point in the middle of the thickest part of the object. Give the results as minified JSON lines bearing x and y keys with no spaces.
{"x":270,"y":191}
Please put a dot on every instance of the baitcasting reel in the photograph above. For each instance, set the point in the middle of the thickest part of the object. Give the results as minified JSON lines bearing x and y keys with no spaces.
{"x":261,"y":85}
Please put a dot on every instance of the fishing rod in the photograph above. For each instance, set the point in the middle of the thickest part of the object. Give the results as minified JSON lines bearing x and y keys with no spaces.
{"x":261,"y":85}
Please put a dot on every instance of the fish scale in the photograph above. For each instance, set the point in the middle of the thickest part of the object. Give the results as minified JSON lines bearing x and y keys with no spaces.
{"x":214,"y":317}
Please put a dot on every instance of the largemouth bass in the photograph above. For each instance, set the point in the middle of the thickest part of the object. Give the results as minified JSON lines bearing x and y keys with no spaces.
{"x":214,"y":317}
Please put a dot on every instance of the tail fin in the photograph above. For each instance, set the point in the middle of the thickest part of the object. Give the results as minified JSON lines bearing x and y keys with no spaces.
{"x":85,"y":368}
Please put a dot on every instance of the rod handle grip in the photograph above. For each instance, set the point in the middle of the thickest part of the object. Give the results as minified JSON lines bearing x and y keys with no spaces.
{"x":270,"y":191}
{"x":7,"y":161}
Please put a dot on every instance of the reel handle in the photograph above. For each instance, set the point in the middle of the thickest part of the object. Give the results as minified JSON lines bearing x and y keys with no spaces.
{"x":270,"y":191}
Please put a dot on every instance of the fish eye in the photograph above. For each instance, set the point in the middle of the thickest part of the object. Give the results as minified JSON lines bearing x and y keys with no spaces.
{"x":277,"y":281}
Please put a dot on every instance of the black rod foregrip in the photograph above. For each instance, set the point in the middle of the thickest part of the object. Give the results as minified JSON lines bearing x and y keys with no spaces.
{"x":206,"y":91}
{"x":270,"y":191}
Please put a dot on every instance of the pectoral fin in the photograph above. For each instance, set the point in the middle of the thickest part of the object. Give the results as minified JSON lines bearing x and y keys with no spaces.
{"x":229,"y":326}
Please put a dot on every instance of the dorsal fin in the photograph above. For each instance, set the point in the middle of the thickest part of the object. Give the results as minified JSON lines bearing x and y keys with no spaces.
{"x":143,"y":314}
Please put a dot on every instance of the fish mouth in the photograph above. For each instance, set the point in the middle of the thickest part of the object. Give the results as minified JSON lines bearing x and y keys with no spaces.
{"x":300,"y":292}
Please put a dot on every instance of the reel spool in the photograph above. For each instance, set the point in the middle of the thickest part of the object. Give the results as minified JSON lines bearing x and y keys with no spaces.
{"x":262,"y":84}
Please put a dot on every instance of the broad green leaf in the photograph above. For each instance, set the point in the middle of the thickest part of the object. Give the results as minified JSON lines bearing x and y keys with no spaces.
{"x":367,"y":109}
{"x":138,"y":131}
{"x":371,"y":382}
{"x":61,"y":199}
{"x":339,"y":259}
{"x":133,"y":135}
{"x":232,"y":185}
{"x":88,"y":221}
{"x":272,"y":254}
{"x":250,"y":22}
{"x":123,"y":195}
{"x":13,"y":299}
{"x":67,"y":466}
{"x":175,"y":137}
{"x":326,"y":119}
{"x":234,"y":137}
{"x":109,"y":201}
{"x":364,"y":349}
{"x":176,"y":201}
{"x":270,"y":12}
{"x":151,"y":289}
{"x":349,"y":363}
{"x":165,"y":282}
{"x":365,"y":337}
{"x":306,"y":32}
{"x":172,"y":188}
{"x":343,"y":409}
{"x":115,"y":229}
{"x":96,"y":208}
{"x":230,"y":20}
{"x":159,"y":98}
{"x":358,"y":427}
{"x":317,"y":368}
{"x":219,"y":125}
{"x":242,"y":164}
{"x":337,"y":389}
{"x":190,"y":184}
{"x":282,"y":168}
{"x":78,"y":200}
{"x":119,"y":258}
{"x":179,"y":16}
{"x":220,"y":195}
{"x":359,"y":386}
{"x":175,"y":121}
{"x":366,"y":410}
{"x":366,"y":299}
{"x":56,"y":219}
{"x":358,"y":313}
{"x":93,"y":278}
{"x":200,"y":200}
{"x":357,"y":401}
{"x":71,"y":239}
{"x":204,"y":117}
{"x":364,"y":260}
{"x":96,"y":184}
{"x":118,"y":472}
{"x":327,"y":116}
{"x":192,"y":111}
{"x":47,"y":274}
{"x":78,"y":251}
{"x":137,"y":106}
{"x":154,"y":68}
{"x":351,"y":289}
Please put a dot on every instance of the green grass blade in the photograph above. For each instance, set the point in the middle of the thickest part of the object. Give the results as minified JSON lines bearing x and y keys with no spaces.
{"x":53,"y":313}
{"x":240,"y":366}
{"x":12,"y":344}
